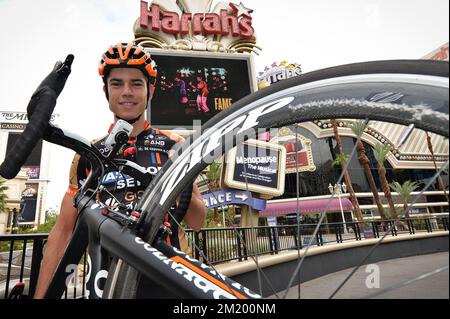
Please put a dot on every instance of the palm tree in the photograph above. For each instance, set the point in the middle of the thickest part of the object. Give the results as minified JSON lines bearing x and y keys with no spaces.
{"x":358,"y":128}
{"x":340,"y":158}
{"x":213,"y":175}
{"x":3,"y":196}
{"x":404,"y":190}
{"x":380,"y":152}
{"x":342,"y":161}
{"x":441,"y":182}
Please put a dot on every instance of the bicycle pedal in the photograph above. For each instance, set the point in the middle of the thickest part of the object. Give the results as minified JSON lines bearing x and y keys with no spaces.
{"x":17,"y":291}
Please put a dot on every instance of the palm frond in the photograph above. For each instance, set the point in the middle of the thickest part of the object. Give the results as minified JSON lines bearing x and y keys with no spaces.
{"x":341,"y":159}
{"x":358,"y":127}
{"x":404,"y":189}
{"x":214,"y":171}
{"x":380,"y":152}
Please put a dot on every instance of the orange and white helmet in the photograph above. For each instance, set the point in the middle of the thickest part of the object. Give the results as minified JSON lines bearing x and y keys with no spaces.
{"x":127,"y":55}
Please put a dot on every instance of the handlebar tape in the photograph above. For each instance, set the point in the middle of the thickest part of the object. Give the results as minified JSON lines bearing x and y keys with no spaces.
{"x":40,"y":109}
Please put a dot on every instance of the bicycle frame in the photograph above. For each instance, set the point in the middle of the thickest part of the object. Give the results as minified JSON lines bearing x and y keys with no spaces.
{"x":167,"y":266}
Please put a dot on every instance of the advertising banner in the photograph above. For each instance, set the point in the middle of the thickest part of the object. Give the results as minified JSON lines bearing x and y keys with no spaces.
{"x":28,"y":204}
{"x":256,"y":166}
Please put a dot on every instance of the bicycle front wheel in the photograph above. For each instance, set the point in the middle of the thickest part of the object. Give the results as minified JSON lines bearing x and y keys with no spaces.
{"x":401,"y":92}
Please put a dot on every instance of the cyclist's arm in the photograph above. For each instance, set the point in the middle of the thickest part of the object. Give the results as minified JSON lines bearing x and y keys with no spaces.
{"x":56,"y":244}
{"x":62,"y":231}
{"x":196,"y":213}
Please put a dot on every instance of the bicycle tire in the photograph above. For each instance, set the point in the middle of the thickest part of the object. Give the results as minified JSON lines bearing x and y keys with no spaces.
{"x":338,"y":92}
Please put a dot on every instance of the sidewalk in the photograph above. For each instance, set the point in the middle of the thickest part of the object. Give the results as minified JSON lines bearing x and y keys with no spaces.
{"x":392,"y":272}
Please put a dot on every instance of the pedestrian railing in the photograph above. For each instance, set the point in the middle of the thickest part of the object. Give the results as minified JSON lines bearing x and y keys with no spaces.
{"x":218,"y":245}
{"x":20,"y":260}
{"x":21,"y":254}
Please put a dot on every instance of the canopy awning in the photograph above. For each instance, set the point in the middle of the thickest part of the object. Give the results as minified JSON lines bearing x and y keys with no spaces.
{"x":311,"y":206}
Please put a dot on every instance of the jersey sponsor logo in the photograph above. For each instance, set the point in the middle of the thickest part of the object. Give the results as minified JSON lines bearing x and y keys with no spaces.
{"x":102,"y":147}
{"x":123,"y":180}
{"x":133,"y":196}
{"x":114,"y":177}
{"x":156,"y":142}
{"x":153,"y":149}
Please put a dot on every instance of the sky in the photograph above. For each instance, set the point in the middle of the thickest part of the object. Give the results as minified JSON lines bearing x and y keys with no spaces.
{"x":313,"y":33}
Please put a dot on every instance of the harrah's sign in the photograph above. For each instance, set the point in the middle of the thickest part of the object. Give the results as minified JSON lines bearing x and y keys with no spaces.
{"x":201,"y":23}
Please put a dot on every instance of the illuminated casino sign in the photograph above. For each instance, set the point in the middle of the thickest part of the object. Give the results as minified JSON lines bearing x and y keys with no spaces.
{"x":237,"y":24}
{"x":278,"y":72}
{"x":16,"y":121}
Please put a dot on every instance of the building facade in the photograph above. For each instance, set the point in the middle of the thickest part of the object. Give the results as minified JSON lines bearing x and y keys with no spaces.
{"x":27,"y":192}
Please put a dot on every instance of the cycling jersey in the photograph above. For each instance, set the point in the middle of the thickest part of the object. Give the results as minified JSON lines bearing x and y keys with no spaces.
{"x":150,"y":149}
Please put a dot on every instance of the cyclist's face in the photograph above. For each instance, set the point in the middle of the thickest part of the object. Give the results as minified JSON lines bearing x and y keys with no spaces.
{"x":127,"y":90}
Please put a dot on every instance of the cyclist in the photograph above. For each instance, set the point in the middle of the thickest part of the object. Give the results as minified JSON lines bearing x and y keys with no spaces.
{"x":129,"y":76}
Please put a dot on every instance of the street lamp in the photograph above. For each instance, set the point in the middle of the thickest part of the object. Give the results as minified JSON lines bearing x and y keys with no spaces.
{"x":339,"y":189}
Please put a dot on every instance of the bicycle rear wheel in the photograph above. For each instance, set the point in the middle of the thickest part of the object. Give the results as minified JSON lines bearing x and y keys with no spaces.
{"x":356,"y":91}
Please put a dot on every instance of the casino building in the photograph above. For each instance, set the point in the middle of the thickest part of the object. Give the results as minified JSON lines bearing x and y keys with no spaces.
{"x":409,"y":159}
{"x":26,"y":193}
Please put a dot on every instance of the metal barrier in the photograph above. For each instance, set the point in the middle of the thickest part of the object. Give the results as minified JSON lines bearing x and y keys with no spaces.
{"x":217,"y":245}
{"x":21,"y":254}
{"x":20,"y":262}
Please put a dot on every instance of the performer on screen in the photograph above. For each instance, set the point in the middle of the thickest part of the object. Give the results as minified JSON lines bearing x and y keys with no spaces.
{"x":202,"y":93}
{"x":181,"y":85}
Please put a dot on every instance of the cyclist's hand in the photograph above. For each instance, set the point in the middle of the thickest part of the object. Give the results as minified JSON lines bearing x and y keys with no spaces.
{"x":53,"y":84}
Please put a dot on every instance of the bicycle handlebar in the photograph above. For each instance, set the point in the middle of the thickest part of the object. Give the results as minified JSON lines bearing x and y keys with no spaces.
{"x":39,"y":110}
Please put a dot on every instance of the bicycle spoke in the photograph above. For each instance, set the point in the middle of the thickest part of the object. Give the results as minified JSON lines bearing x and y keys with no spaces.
{"x":201,"y":253}
{"x":297,"y":213}
{"x":250,"y":212}
{"x":389,"y":230}
{"x":206,"y":260}
{"x":245,"y":245}
{"x":344,"y":170}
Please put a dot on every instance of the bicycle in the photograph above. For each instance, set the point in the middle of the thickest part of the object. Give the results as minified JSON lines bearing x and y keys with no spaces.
{"x":136,"y":241}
